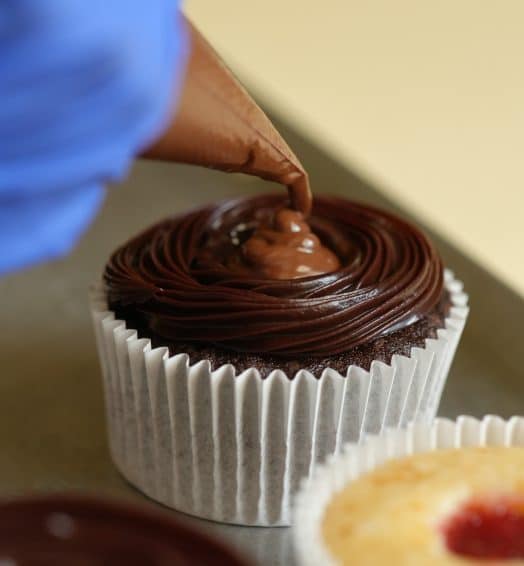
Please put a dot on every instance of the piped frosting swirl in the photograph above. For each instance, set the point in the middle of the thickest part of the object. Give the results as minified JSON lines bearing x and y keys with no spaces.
{"x":177,"y":276}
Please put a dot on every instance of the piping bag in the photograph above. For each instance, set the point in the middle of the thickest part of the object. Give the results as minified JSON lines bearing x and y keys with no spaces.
{"x":218,"y":125}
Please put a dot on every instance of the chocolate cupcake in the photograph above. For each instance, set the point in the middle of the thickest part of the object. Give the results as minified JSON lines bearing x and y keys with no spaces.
{"x":449,"y":493}
{"x":241,"y":345}
{"x":74,"y":530}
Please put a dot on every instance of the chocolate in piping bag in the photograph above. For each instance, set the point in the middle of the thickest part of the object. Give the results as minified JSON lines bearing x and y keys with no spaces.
{"x":218,"y":125}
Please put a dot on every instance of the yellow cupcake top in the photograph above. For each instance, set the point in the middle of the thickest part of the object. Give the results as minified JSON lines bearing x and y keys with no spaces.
{"x":403,"y":513}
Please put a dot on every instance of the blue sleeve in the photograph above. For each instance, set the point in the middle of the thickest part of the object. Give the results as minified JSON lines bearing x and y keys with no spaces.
{"x":84,"y":86}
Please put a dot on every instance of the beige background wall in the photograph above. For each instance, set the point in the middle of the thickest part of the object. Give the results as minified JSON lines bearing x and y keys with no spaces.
{"x":425,"y":98}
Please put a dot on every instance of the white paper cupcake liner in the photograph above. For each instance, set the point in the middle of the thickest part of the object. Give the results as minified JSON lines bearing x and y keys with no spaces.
{"x":358,"y":459}
{"x":233,"y":448}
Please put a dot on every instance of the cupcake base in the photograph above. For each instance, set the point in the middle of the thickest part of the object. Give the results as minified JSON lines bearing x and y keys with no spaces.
{"x":381,"y":349}
{"x":233,"y":447}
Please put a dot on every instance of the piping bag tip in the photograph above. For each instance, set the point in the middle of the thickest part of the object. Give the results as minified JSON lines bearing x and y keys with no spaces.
{"x":219,"y":125}
{"x":300,"y":195}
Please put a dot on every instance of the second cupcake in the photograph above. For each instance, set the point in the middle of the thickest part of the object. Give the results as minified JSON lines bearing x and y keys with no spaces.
{"x":446,"y":494}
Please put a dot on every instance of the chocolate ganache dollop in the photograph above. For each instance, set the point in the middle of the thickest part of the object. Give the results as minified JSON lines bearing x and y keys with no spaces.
{"x":180,"y":279}
{"x":282,"y":247}
{"x":74,"y":530}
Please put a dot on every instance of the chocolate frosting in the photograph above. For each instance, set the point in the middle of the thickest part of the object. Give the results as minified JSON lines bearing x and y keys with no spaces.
{"x":176,"y":277}
{"x":79,"y":531}
{"x":282,"y":248}
{"x":218,"y":125}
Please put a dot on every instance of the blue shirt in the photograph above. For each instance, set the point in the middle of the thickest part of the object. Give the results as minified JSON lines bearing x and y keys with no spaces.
{"x":84,"y":86}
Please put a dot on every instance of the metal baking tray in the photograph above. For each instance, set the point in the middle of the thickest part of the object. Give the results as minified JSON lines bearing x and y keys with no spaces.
{"x":52,"y":430}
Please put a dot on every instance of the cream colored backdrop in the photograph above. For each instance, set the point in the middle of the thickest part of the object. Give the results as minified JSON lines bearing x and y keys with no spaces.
{"x":426,"y":98}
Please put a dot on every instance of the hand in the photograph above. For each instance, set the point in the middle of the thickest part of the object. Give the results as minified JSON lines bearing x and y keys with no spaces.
{"x":84,"y":87}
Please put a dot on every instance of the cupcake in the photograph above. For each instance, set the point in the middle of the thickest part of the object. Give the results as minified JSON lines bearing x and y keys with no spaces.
{"x":447,"y":494}
{"x":74,"y":530}
{"x":241,"y":345}
{"x":243,"y":342}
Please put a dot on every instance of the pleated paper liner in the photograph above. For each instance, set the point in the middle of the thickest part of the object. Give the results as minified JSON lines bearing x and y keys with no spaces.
{"x":234,"y":448}
{"x":357,"y":459}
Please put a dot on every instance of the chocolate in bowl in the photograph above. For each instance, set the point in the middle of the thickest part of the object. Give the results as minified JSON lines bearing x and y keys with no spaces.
{"x":76,"y":530}
{"x":176,"y":284}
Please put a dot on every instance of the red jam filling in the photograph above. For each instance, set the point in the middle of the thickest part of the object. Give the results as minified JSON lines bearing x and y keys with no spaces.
{"x":487,"y":530}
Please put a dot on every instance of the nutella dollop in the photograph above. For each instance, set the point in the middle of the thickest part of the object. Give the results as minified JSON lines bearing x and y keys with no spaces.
{"x":218,"y":125}
{"x":283,"y":248}
{"x":72,"y":530}
{"x":193,"y":279}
